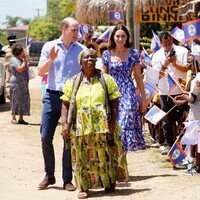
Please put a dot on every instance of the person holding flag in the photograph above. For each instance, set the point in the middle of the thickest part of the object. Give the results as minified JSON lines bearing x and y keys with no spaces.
{"x":170,"y":59}
{"x":192,"y":126}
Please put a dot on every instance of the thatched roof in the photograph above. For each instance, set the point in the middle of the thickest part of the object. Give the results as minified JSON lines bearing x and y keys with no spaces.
{"x":95,"y":12}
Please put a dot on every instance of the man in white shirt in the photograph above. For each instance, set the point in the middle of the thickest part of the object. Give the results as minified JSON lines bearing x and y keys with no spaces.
{"x":170,"y":59}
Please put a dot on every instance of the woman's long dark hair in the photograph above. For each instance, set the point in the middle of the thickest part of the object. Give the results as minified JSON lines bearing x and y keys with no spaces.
{"x":112,"y":43}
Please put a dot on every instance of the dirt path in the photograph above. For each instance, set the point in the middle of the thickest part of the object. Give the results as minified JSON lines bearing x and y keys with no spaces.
{"x":21,"y":166}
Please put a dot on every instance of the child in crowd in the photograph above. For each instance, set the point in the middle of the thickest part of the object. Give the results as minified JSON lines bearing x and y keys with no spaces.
{"x":192,"y":132}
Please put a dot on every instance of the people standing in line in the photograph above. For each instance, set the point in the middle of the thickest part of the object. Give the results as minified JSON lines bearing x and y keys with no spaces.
{"x":97,"y":154}
{"x":19,"y":90}
{"x":59,"y":58}
{"x":169,"y":59}
{"x":7,"y":49}
{"x":192,"y":123}
{"x":120,"y":61}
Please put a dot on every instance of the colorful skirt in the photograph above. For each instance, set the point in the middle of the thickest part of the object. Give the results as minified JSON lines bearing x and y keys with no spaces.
{"x":96,"y":161}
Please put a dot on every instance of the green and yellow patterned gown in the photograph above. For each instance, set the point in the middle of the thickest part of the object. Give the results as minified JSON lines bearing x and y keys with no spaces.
{"x":94,"y":161}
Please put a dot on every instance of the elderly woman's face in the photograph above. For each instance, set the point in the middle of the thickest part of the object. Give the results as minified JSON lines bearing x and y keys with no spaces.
{"x":88,"y":59}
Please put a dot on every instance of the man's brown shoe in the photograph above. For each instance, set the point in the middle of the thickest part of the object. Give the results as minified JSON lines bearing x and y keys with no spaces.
{"x":69,"y":187}
{"x":46,"y":182}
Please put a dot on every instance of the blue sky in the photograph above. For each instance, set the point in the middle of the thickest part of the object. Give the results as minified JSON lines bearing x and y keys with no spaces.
{"x":21,"y":8}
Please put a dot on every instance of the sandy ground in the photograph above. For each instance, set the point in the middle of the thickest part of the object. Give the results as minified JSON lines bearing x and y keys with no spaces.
{"x":21,"y":166}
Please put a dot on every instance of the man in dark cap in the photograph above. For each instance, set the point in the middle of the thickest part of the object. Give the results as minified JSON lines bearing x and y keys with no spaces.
{"x":11,"y":40}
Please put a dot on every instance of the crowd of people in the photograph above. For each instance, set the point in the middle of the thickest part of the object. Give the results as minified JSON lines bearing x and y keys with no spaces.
{"x":90,"y":87}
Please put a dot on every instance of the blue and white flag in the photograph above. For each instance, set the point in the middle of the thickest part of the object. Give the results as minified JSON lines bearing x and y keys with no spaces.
{"x":85,"y":29}
{"x":116,"y":15}
{"x":176,"y":154}
{"x":178,"y":82}
{"x":178,"y":34}
{"x":150,"y":91}
{"x":105,"y":36}
{"x":171,"y":83}
{"x":195,"y":47}
{"x":152,"y":75}
{"x":192,"y":29}
{"x":155,"y":42}
{"x":192,"y":132}
{"x":155,"y":115}
{"x":145,"y":58}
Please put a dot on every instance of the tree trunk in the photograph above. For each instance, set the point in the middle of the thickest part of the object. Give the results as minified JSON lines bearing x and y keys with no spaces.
{"x":129,"y":19}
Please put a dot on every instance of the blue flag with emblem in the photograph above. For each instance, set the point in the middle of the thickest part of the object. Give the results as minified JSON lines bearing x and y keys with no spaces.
{"x":150,"y":91}
{"x":178,"y":34}
{"x":192,"y":29}
{"x":176,"y":154}
{"x":116,"y":15}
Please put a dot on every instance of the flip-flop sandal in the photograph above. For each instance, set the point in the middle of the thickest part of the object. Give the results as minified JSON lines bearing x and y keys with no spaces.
{"x":14,"y":122}
{"x":83,"y":195}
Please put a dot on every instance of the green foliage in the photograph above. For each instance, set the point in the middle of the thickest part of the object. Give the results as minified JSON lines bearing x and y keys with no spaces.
{"x":3,"y":37}
{"x":48,"y":27}
{"x":145,"y":42}
{"x":44,"y":29}
{"x":67,"y":8}
{"x":13,"y":21}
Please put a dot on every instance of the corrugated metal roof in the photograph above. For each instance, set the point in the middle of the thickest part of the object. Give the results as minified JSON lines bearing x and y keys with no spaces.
{"x":19,"y":28}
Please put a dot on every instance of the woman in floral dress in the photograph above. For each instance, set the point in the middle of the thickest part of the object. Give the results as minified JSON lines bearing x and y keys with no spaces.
{"x":19,"y":91}
{"x":120,"y":61}
{"x":95,"y":161}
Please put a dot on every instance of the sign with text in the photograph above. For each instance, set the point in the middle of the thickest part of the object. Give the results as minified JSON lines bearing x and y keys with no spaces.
{"x":163,"y":13}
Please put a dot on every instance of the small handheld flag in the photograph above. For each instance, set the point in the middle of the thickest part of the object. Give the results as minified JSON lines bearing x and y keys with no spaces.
{"x":179,"y":82}
{"x":178,"y":34}
{"x":150,"y":91}
{"x":155,"y":42}
{"x":105,"y":36}
{"x":195,"y":47}
{"x":152,"y":75}
{"x":155,"y":115}
{"x":171,"y":84}
{"x":85,"y":29}
{"x":192,"y":132}
{"x":144,"y":57}
{"x":116,"y":15}
{"x":176,"y":154}
{"x":192,"y":29}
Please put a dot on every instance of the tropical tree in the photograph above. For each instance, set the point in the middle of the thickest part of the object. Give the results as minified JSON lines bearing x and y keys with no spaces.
{"x":3,"y":37}
{"x":14,"y":21}
{"x":48,"y":27}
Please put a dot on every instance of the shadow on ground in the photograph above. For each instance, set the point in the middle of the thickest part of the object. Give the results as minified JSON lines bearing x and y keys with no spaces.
{"x":141,"y":178}
{"x":118,"y":192}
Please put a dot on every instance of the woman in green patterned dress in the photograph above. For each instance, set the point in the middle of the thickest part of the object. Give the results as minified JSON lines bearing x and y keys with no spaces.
{"x":96,"y":159}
